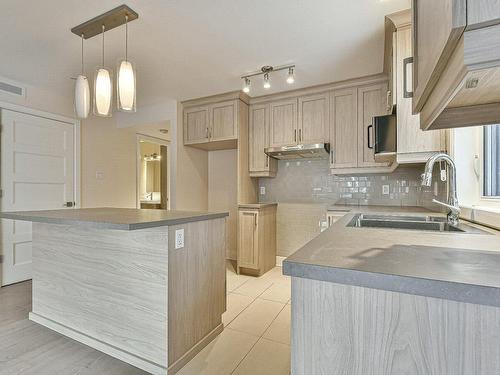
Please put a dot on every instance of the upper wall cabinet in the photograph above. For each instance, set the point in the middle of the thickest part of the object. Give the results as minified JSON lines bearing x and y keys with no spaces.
{"x":413,"y":144}
{"x":456,"y":69}
{"x":314,"y":114}
{"x":212,"y":126}
{"x":351,"y":136}
{"x":283,"y":126}
{"x":260,"y":165}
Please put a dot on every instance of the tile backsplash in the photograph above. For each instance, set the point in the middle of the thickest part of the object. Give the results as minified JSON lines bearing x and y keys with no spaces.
{"x":311,"y":181}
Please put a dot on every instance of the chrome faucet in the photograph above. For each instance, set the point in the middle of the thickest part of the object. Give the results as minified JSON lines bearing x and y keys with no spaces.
{"x":452,"y":204}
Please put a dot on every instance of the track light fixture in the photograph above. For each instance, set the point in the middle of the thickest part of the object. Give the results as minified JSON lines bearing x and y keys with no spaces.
{"x":266,"y":70}
{"x":246,"y":86}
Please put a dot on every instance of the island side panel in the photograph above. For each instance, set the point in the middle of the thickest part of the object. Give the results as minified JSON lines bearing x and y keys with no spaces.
{"x":196,"y":289}
{"x":350,"y":330}
{"x":110,"y":285}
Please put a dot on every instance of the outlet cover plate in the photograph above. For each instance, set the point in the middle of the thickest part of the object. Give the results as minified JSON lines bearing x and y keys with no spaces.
{"x":179,"y":238}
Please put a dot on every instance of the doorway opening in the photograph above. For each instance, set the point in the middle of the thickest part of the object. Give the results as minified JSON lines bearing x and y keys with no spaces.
{"x":153,"y":180}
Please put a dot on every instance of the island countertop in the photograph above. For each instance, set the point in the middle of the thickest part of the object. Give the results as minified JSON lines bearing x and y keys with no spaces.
{"x":456,"y":266}
{"x":113,"y":218}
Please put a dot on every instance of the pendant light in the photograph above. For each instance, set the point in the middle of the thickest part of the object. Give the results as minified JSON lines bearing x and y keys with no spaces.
{"x":125,"y":82}
{"x":103,"y":88}
{"x":82,"y":93}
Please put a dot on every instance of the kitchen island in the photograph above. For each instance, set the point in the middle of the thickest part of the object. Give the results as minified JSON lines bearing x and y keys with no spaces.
{"x":144,"y":286}
{"x":386,"y":301}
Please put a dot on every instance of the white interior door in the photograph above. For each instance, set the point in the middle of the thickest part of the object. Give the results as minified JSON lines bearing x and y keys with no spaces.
{"x":37,"y":173}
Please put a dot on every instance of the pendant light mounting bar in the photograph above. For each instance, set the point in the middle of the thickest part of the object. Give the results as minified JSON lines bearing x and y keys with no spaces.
{"x":111,"y":19}
{"x":268,"y":69}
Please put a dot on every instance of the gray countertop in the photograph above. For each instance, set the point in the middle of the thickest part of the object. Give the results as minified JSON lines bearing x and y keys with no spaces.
{"x":457,"y":266}
{"x":113,"y":218}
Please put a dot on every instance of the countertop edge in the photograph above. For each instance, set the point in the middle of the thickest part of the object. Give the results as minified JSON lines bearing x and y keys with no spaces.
{"x":108,"y":225}
{"x":459,"y":292}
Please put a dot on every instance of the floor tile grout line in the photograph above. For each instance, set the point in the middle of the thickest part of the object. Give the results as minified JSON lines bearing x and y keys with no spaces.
{"x":267,"y":329}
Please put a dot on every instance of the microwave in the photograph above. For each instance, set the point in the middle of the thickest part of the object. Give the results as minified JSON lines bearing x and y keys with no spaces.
{"x":385,"y":134}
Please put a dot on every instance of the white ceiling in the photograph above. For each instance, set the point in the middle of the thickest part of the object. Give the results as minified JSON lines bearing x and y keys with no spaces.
{"x":191,"y":48}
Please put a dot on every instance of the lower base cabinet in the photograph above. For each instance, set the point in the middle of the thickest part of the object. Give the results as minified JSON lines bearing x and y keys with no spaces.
{"x":256,"y":238}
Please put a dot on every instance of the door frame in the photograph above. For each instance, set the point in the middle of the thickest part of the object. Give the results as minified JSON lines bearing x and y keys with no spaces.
{"x":159,"y":141}
{"x":77,"y":148}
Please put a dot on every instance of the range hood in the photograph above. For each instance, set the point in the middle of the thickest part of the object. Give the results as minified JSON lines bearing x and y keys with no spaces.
{"x":302,"y":151}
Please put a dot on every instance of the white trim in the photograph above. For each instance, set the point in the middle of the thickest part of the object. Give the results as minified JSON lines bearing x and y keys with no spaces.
{"x":162,"y":142}
{"x":36,"y":112}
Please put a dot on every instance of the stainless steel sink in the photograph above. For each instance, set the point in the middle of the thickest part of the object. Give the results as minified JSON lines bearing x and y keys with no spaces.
{"x":426,"y":223}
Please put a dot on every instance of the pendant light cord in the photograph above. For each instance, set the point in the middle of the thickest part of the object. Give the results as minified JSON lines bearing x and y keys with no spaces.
{"x":126,"y":37}
{"x":82,"y":55}
{"x":103,"y":29}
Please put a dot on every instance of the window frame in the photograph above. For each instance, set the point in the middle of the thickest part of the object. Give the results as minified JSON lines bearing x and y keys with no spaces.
{"x":485,"y":198}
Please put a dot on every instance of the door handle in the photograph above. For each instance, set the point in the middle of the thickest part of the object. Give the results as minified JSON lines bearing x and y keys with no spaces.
{"x":406,"y":93}
{"x":69,"y":204}
{"x":369,"y":136}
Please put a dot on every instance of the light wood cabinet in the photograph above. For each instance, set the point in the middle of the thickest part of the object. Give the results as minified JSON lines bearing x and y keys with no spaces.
{"x":344,"y":129}
{"x":196,"y":125}
{"x":313,"y":118}
{"x":256,"y":239}
{"x":260,"y":165}
{"x":283,"y":125}
{"x":371,"y":102}
{"x":213,"y":126}
{"x":456,"y":69}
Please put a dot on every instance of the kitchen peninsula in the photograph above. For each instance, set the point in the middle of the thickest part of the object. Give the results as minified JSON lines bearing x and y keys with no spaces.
{"x":144,"y":286}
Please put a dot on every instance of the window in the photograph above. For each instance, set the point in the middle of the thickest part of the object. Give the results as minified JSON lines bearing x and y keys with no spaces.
{"x":491,"y":148}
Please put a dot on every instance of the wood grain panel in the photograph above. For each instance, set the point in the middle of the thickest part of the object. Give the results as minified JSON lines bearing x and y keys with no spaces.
{"x":314,"y":114}
{"x":196,"y":124}
{"x":247,"y":186}
{"x":344,"y":128}
{"x":259,"y":163}
{"x":283,"y":131}
{"x":481,"y":13}
{"x":107,"y":284}
{"x":196,"y":285}
{"x":342,"y":329}
{"x":224,"y":121}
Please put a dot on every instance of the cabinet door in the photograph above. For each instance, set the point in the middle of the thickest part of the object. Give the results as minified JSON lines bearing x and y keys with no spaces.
{"x":223,"y":121}
{"x":371,"y":102}
{"x":437,"y":28}
{"x":248,"y":251}
{"x":196,"y":123}
{"x":258,"y":138}
{"x":313,"y":120}
{"x":344,"y":129}
{"x":411,"y":138}
{"x":283,"y":129}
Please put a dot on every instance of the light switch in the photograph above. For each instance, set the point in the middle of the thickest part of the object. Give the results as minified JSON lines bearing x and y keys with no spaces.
{"x":179,"y":238}
{"x":262,"y":190}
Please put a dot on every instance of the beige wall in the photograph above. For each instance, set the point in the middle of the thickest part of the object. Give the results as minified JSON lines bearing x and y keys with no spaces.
{"x":109,"y":162}
{"x":191,"y":173}
{"x":222,"y":191}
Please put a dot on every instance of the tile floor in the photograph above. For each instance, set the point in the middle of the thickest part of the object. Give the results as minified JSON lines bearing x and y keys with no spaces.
{"x":256,"y":336}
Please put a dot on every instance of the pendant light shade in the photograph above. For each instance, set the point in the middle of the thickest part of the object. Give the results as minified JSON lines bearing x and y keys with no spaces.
{"x":103,"y":92}
{"x":82,"y":97}
{"x":103,"y":88}
{"x":82,"y":93}
{"x":125,"y":82}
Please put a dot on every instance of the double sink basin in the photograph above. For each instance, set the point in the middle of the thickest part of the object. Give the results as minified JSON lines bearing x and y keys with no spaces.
{"x":426,"y":223}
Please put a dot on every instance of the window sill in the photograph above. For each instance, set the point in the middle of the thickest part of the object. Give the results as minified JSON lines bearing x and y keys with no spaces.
{"x":482,"y":215}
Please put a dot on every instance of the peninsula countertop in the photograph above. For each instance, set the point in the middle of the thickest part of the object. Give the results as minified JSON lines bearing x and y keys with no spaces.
{"x":113,"y":218}
{"x":456,"y":266}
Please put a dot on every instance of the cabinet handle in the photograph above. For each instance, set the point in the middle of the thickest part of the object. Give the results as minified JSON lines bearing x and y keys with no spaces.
{"x":388,"y":100}
{"x":295,"y":135}
{"x":369,"y":136}
{"x":206,"y":134}
{"x":255,"y":219}
{"x":331,"y":156}
{"x":267,"y":160}
{"x":300,"y":135}
{"x":406,"y":93}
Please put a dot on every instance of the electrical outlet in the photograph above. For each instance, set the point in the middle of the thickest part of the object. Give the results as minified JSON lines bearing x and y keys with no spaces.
{"x":179,"y":238}
{"x":385,"y":189}
{"x":262,"y":190}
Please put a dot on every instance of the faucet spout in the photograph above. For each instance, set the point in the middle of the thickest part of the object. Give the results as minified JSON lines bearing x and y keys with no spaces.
{"x":452,"y":204}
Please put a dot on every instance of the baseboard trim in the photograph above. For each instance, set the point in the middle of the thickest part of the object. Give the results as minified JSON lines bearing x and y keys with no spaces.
{"x":189,"y":355}
{"x":279,"y":261}
{"x":113,"y":351}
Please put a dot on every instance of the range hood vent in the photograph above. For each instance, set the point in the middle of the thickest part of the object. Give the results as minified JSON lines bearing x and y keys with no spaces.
{"x":302,"y":151}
